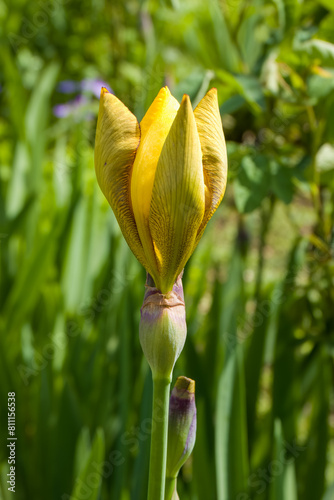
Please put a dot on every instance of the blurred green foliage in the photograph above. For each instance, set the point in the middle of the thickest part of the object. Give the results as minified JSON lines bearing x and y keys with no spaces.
{"x":259,"y":288}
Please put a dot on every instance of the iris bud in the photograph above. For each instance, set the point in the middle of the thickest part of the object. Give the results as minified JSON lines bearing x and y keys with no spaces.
{"x":181,"y":426}
{"x":162,"y":329}
{"x":164,"y":178}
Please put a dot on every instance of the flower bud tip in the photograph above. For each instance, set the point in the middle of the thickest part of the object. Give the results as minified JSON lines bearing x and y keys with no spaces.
{"x":184,"y":384}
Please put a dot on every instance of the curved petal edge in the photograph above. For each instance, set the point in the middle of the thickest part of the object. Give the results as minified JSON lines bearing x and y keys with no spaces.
{"x":214,"y":156}
{"x":116,"y":143}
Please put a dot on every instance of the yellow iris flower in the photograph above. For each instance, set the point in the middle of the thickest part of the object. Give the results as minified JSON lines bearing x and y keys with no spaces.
{"x":164,"y":178}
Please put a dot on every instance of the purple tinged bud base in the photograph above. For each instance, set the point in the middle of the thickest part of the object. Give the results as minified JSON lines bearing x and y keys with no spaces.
{"x":162,"y":330}
{"x":181,"y":426}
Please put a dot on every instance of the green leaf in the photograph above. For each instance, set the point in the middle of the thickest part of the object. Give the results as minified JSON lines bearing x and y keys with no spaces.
{"x":328,"y":4}
{"x":252,"y":91}
{"x":313,"y":461}
{"x":285,"y":388}
{"x":17,"y":190}
{"x":228,"y":52}
{"x":283,"y":483}
{"x":250,"y":44}
{"x":195,"y":85}
{"x":252,"y":184}
{"x":14,"y":91}
{"x":281,"y":15}
{"x":329,"y":495}
{"x":33,"y":272}
{"x":231,"y":447}
{"x":88,"y":483}
{"x":317,"y":50}
{"x":288,"y":13}
{"x":246,"y":86}
{"x":65,"y":435}
{"x":326,"y":31}
{"x":292,"y":12}
{"x":320,"y":86}
{"x":141,"y":465}
{"x":204,"y":474}
{"x":36,"y":119}
{"x":282,"y":182}
{"x":254,"y":333}
{"x":82,"y":452}
{"x":233,"y":12}
{"x":232,"y":104}
{"x":75,"y":278}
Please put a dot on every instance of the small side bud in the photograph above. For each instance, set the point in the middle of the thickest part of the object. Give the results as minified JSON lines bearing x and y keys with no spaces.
{"x":181,"y":425}
{"x":162,"y":329}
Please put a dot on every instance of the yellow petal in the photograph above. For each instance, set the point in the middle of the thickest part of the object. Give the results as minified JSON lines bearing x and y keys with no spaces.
{"x":154,"y":130}
{"x":164,"y":103}
{"x":178,"y":199}
{"x":214,"y":155}
{"x":116,"y":143}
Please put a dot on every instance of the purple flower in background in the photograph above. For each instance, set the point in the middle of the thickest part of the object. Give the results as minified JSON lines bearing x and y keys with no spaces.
{"x":94,"y":86}
{"x":68,"y":86}
{"x":76,"y":105}
{"x":69,"y":108}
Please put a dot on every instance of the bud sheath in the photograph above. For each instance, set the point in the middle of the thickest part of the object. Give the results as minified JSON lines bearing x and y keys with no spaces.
{"x":162,"y":330}
{"x":181,"y":425}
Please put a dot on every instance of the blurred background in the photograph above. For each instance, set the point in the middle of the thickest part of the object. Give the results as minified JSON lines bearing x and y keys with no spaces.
{"x":258,"y":290}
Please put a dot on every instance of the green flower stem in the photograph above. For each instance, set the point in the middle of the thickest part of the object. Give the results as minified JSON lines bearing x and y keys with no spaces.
{"x":158,"y":456}
{"x":171,"y":493}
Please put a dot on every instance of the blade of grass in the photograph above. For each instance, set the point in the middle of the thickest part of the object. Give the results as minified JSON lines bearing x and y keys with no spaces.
{"x":231,"y":430}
